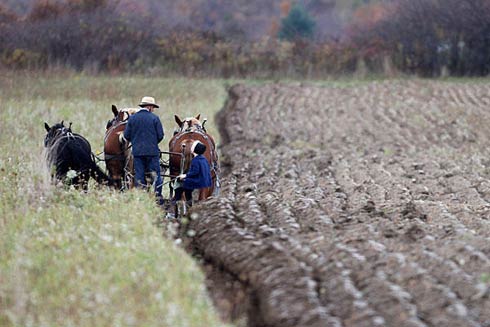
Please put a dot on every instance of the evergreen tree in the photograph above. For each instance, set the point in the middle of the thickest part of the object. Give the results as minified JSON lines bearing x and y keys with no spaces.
{"x":297,"y":24}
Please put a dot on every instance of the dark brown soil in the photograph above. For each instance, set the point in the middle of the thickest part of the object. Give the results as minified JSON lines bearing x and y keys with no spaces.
{"x":358,"y":206}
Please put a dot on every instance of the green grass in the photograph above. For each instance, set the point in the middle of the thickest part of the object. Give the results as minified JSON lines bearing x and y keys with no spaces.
{"x":98,"y":258}
{"x":86,"y":101}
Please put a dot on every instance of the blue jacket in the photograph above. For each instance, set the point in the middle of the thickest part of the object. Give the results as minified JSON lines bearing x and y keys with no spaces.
{"x":199,"y":174}
{"x":144,"y":130}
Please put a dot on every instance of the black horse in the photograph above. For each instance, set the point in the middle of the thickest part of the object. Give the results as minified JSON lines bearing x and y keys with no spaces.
{"x":71,"y":152}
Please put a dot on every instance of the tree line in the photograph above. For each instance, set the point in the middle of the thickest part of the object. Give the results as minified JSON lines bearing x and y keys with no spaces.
{"x":424,"y":37}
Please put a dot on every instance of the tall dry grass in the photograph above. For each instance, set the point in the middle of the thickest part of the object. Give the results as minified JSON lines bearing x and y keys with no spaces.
{"x":96,"y":258}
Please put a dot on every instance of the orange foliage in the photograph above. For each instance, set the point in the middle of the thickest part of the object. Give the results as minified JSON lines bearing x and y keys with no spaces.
{"x":365,"y":20}
{"x":274,"y":28}
{"x":368,"y":16}
{"x":285,"y":7}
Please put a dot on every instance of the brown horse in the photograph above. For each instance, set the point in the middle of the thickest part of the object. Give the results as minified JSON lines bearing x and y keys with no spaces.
{"x":190,"y":130}
{"x":117,"y":154}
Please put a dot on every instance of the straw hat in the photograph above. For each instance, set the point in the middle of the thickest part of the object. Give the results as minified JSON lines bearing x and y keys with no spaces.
{"x":148,"y":101}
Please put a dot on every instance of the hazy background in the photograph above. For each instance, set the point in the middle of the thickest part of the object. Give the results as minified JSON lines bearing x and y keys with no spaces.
{"x":275,"y":38}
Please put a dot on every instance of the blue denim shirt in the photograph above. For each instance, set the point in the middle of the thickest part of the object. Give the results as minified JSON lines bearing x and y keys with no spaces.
{"x":144,"y":130}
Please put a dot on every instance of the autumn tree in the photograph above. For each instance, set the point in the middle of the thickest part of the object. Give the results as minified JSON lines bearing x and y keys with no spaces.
{"x":426,"y":37}
{"x":298,"y":24}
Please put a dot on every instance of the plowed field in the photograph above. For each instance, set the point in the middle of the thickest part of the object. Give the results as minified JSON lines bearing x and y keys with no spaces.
{"x":358,"y":206}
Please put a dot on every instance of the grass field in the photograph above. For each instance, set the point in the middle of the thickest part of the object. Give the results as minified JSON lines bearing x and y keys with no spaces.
{"x":95,"y":259}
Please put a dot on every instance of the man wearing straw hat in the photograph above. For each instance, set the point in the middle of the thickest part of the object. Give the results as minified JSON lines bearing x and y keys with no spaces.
{"x":144,"y":130}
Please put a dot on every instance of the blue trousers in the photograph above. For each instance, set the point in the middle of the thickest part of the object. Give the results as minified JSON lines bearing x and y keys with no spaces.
{"x":150,"y":165}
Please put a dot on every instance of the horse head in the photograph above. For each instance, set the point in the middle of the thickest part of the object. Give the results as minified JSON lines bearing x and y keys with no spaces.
{"x":54,"y":132}
{"x":120,"y":115}
{"x":189,"y":124}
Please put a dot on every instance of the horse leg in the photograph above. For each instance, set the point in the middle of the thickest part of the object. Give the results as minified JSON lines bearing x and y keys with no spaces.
{"x":85,"y":179}
{"x":78,"y":182}
{"x":202,"y":194}
{"x":82,"y":182}
{"x":130,"y":169}
{"x":99,"y":175}
{"x":170,"y":191}
{"x":181,"y":209}
{"x":117,"y":182}
{"x":205,"y":193}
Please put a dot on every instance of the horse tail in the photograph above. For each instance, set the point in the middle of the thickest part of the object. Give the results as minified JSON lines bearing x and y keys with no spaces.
{"x":95,"y":171}
{"x":97,"y":174}
{"x":100,"y":176}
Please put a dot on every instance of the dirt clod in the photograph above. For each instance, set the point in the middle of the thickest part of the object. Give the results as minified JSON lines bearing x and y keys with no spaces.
{"x":357,"y":206}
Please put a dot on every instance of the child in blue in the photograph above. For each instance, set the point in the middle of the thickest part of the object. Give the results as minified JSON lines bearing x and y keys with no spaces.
{"x":198,"y":176}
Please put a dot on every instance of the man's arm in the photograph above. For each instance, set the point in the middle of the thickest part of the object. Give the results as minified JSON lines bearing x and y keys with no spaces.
{"x":159,"y":130}
{"x":128,"y":130}
{"x":191,"y":174}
